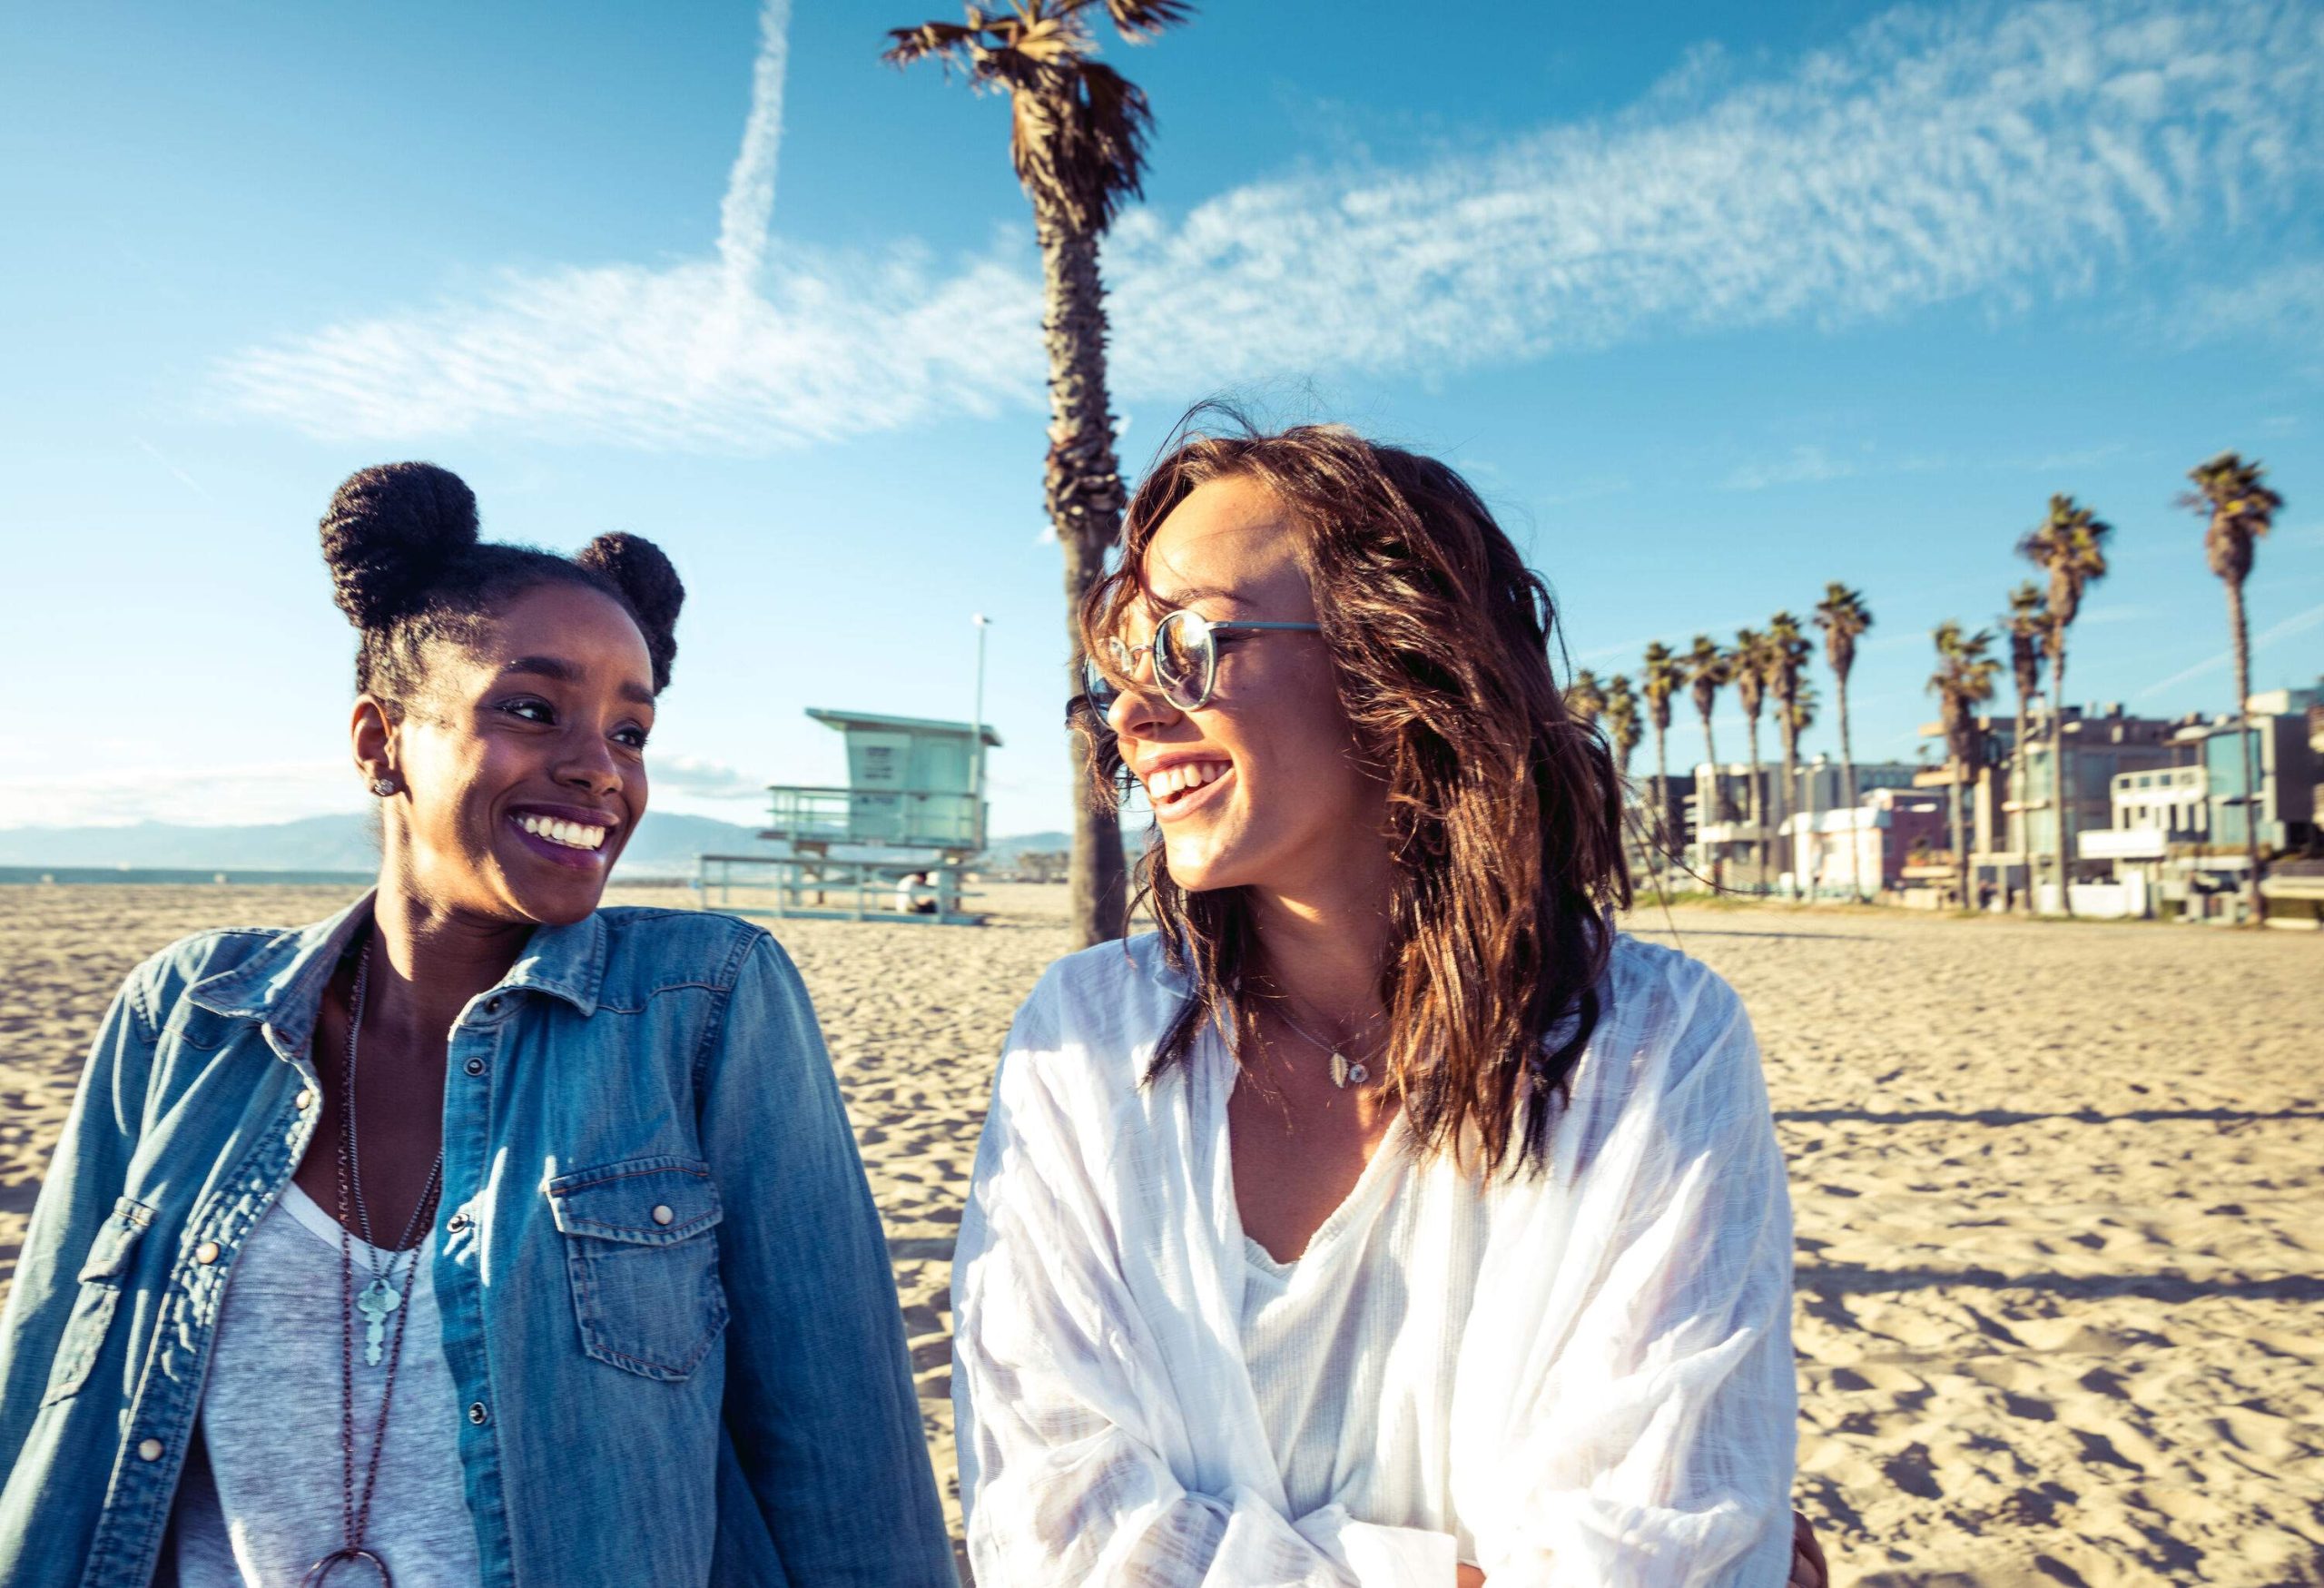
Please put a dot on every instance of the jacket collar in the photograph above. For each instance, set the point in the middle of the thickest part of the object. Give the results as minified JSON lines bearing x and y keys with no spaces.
{"x":281,"y":985}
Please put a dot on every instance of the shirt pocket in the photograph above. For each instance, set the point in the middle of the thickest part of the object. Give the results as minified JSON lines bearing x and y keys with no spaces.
{"x":101,"y":1279}
{"x":642,"y":1258}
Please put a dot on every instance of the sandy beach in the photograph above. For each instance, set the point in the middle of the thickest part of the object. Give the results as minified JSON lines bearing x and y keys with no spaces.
{"x":2060,"y":1195}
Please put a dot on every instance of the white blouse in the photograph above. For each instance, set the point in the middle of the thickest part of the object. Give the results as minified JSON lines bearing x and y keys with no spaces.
{"x":1578,"y":1377}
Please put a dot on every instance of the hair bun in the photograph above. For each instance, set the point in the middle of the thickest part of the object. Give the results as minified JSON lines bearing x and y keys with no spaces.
{"x":389,"y":531}
{"x":649,"y":584}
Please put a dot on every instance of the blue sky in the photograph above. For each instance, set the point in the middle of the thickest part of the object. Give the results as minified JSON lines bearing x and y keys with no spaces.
{"x":1714,"y":306}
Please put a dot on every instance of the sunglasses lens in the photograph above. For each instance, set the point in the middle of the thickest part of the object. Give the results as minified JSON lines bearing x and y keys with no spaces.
{"x":1183,"y":657}
{"x":1096,"y":680}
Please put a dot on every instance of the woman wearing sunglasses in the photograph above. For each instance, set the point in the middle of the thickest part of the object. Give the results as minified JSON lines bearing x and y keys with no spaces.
{"x":1385,"y":1217}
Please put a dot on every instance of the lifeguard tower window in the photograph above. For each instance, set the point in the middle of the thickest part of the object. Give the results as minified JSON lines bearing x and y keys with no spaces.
{"x":913,"y":803}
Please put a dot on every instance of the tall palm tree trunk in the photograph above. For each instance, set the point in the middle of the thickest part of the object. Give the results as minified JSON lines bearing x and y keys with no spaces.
{"x":2241,"y":635}
{"x":1662,"y":830}
{"x":2017,"y":777}
{"x":1711,"y":807}
{"x":1783,"y":802}
{"x":1759,"y":849}
{"x":1083,"y":492}
{"x":1847,"y":785}
{"x":1960,"y":839}
{"x":2060,"y":784}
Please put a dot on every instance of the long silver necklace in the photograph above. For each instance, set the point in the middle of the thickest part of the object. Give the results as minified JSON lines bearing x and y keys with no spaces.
{"x":379,"y":1299}
{"x":1345,"y":1071}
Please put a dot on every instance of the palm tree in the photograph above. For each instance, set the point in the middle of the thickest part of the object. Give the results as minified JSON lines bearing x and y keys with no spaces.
{"x":1788,"y":653}
{"x":2070,"y":546}
{"x":1076,"y":138}
{"x":1585,"y":698}
{"x":1663,"y":675}
{"x":1843,"y":616}
{"x":1795,"y":718}
{"x":1621,"y":721}
{"x":1963,"y":680}
{"x":1708,"y":669}
{"x":2240,"y":508}
{"x":1750,"y":673}
{"x":2029,"y":629}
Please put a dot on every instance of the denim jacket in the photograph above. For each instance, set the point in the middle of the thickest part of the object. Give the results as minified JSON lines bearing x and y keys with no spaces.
{"x":719,"y":1393}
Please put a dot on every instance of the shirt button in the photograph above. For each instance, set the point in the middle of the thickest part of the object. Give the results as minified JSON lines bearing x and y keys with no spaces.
{"x":477,"y":1415}
{"x":492,"y":1006}
{"x":460,"y":1221}
{"x":149,"y":1450}
{"x":304,"y":1101}
{"x":662,"y":1214}
{"x":207,"y":1252}
{"x":474,"y":1066}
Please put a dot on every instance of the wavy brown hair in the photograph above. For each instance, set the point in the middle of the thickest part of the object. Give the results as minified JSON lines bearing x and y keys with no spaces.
{"x":1504,"y":810}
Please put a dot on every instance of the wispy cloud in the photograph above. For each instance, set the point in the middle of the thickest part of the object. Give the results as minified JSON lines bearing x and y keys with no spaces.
{"x":703,"y":780}
{"x":194,"y":796}
{"x":2008,"y":155}
{"x":2283,"y":302}
{"x":1804,"y":465}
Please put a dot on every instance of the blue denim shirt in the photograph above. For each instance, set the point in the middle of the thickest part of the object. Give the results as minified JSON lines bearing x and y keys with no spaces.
{"x":722,"y":1397}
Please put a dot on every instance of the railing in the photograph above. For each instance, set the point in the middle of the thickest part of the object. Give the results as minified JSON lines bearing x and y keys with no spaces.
{"x":899,"y":816}
{"x":830,"y":890}
{"x":2168,"y":784}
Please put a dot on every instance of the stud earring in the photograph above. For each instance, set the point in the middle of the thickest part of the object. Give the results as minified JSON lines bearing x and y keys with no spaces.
{"x":383,"y":786}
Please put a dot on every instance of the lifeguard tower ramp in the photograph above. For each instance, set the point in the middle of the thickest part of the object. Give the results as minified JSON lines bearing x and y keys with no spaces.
{"x":913,"y":803}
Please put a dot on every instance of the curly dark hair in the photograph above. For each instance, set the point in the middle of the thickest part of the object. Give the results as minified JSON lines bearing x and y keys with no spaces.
{"x":1504,"y":810}
{"x":407,"y":567}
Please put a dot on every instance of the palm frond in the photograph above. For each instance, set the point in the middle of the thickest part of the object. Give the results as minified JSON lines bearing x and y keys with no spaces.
{"x":2070,"y":546}
{"x":1140,"y":20}
{"x":1843,"y":616}
{"x":948,"y":41}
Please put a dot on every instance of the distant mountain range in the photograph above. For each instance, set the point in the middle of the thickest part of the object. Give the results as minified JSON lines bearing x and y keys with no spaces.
{"x":666,"y":843}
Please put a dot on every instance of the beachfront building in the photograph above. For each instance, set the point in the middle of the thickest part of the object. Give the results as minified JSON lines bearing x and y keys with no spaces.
{"x":1662,"y":842}
{"x":1892,"y":840}
{"x":2012,"y":832}
{"x":1776,"y":855}
{"x":2177,"y":841}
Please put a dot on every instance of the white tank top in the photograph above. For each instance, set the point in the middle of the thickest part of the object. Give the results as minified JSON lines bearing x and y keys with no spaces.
{"x":265,"y":1505}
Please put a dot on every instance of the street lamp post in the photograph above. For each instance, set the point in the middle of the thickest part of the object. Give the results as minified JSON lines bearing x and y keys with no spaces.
{"x":975,"y":764}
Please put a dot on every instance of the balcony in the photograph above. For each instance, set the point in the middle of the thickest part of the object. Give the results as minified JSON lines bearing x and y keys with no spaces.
{"x":817,"y":817}
{"x":2122,"y":842}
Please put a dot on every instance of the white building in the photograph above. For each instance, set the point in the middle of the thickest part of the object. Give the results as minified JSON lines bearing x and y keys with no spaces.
{"x":1767,"y":858}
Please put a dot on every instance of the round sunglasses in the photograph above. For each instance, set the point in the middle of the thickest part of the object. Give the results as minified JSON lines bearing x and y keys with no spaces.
{"x":1184,"y":648}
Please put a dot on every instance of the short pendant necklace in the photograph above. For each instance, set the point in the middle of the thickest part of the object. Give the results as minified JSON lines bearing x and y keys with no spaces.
{"x":381,"y":1299}
{"x":1345,"y":1071}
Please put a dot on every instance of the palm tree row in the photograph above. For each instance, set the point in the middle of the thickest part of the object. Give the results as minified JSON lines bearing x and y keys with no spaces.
{"x":1763,"y":665}
{"x":1077,"y":141}
{"x":2069,"y":548}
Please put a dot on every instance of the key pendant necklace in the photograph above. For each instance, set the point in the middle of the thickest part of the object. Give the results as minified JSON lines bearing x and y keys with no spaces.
{"x":381,"y":1300}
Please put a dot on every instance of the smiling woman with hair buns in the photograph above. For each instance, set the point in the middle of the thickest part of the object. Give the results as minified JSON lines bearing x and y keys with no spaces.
{"x":476,"y":1234}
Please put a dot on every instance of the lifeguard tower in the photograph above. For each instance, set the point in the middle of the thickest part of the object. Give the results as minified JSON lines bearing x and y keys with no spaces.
{"x":913,"y":806}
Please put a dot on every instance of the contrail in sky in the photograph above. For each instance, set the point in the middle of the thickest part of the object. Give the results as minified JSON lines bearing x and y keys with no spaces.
{"x":748,"y":208}
{"x":2297,"y":623}
{"x":2019,"y":156}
